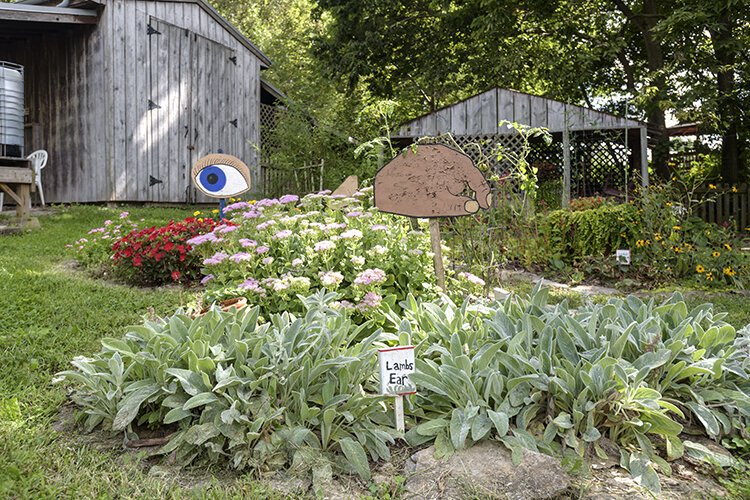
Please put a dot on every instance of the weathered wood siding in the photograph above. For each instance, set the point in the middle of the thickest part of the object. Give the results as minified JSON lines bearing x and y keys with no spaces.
{"x":201,"y":78}
{"x":64,"y":100}
{"x":481,"y":114}
{"x":89,"y":88}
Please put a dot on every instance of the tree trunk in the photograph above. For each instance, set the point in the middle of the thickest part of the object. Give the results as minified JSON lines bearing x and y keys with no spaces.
{"x":644,"y":23}
{"x":721,"y":39}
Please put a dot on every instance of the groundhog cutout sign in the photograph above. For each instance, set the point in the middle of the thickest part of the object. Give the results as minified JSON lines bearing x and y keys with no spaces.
{"x":430,"y":182}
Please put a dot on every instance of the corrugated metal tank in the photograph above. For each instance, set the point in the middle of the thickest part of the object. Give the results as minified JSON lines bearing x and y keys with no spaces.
{"x":11,"y":109}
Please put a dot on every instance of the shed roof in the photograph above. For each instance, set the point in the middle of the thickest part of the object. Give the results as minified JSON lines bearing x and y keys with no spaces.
{"x":47,"y":11}
{"x":481,"y":114}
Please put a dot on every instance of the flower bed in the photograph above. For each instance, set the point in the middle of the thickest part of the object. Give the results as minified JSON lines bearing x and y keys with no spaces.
{"x":273,"y":249}
{"x":157,"y":255}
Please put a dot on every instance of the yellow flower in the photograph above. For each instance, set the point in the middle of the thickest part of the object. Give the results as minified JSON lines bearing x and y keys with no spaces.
{"x":657,"y":236}
{"x":676,"y":228}
{"x":709,"y":276}
{"x":215,"y":211}
{"x":712,"y":186}
{"x":677,"y":249}
{"x":716,"y":254}
{"x":727,"y":246}
{"x":200,"y":220}
{"x":622,"y":235}
{"x":196,"y":213}
{"x":669,"y":203}
{"x":252,"y":202}
{"x":700,"y":269}
{"x":734,"y":189}
{"x":729,"y":271}
{"x":647,"y":242}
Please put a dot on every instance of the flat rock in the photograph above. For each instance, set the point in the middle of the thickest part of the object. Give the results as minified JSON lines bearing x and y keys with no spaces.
{"x":484,"y":471}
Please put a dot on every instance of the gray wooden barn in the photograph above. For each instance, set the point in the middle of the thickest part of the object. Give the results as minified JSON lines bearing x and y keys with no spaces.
{"x":126,"y":94}
{"x":592,"y":151}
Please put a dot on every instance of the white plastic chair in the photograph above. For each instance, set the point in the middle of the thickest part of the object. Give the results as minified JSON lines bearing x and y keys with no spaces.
{"x":38,"y":162}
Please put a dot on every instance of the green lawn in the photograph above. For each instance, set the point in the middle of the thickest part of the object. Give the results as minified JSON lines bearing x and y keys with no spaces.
{"x":51,"y":314}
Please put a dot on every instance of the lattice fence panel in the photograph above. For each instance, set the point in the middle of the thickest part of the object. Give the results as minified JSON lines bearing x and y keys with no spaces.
{"x":600,"y":164}
{"x":300,"y":181}
{"x":269,"y":116}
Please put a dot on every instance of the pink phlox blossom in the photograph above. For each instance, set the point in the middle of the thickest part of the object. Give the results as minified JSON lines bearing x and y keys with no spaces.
{"x":323,"y":246}
{"x":248,"y":243}
{"x":217,"y":258}
{"x":236,"y":206}
{"x":124,"y":215}
{"x":267,"y":202}
{"x":267,"y":261}
{"x":285,"y":233}
{"x":289,"y":198}
{"x":251,"y":214}
{"x":370,"y":301}
{"x":379,"y":227}
{"x":262,"y":249}
{"x":471,"y":278}
{"x":264,"y":225}
{"x":331,"y":278}
{"x":370,"y":276}
{"x":352,"y":234}
{"x":240,"y":256}
{"x":207,"y":278}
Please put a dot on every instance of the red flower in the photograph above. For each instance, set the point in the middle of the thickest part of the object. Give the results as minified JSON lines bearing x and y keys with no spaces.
{"x":137,"y":261}
{"x":175,"y":275}
{"x":168,"y":246}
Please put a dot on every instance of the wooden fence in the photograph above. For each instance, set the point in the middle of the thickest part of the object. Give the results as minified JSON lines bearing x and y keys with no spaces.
{"x":730,"y":204}
{"x":300,"y":181}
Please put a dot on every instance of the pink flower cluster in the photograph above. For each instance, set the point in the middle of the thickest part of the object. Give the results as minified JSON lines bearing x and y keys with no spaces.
{"x":370,"y":276}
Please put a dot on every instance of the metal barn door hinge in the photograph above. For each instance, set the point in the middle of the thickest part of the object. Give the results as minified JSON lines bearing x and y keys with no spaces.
{"x":234,"y":122}
{"x":150,"y":30}
{"x":152,"y":105}
{"x":234,"y":60}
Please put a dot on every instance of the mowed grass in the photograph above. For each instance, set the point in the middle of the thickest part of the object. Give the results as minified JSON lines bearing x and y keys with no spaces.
{"x":49,"y":314}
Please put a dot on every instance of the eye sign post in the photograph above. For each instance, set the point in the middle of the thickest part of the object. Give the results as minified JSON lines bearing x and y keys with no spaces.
{"x":221,"y":176}
{"x":396,"y":364}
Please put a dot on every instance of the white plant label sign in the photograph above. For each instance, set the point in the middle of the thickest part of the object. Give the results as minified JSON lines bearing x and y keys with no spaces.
{"x":623,"y":257}
{"x":396,"y":364}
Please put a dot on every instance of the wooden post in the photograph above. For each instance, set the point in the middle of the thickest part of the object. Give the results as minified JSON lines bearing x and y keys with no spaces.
{"x":644,"y":157}
{"x":566,"y":167}
{"x":398,"y":408}
{"x":437,"y":258}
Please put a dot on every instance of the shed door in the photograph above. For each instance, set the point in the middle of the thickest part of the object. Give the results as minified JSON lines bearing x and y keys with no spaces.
{"x":214,"y":102}
{"x":192,"y":105}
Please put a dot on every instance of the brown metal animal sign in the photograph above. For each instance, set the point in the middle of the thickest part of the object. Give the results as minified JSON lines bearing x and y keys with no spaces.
{"x":430,"y":182}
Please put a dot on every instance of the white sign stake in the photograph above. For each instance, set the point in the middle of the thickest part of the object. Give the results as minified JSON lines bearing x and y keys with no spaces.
{"x":396,"y":364}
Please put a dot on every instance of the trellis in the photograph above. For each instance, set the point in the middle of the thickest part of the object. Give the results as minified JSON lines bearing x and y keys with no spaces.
{"x":592,"y":152}
{"x":269,"y":117}
{"x":600,"y":160}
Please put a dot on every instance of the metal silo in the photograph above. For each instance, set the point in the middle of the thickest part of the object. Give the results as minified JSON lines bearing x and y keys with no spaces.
{"x":11,"y":109}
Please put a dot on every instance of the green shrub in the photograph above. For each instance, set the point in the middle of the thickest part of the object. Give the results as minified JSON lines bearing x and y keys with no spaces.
{"x":294,"y":392}
{"x":94,"y":251}
{"x":592,"y":232}
{"x":551,"y":378}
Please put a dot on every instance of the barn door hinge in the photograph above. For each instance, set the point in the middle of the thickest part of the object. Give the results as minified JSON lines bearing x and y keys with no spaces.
{"x":152,"y":105}
{"x":234,"y":122}
{"x":233,"y":59}
{"x":153,"y":181}
{"x":150,"y":30}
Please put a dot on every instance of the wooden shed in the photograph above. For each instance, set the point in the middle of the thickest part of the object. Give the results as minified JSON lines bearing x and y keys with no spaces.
{"x":591,"y":150}
{"x":126,"y":94}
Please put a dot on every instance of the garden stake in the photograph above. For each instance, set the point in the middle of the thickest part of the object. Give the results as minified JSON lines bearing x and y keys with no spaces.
{"x":437,"y":257}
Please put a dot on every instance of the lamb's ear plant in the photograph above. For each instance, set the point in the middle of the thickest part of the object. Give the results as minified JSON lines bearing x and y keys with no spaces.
{"x":550,"y":378}
{"x":293,"y":392}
